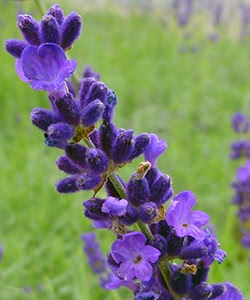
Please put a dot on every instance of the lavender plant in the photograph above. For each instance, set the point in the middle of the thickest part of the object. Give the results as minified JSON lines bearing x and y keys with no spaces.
{"x":158,"y":253}
{"x":241,"y":150}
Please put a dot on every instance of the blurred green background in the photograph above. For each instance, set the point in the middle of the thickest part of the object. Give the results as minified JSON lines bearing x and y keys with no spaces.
{"x":186,"y":98}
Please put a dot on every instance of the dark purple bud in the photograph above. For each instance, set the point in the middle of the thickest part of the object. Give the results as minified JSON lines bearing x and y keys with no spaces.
{"x":217,"y":290}
{"x":193,"y":252}
{"x":137,"y":190}
{"x":201,"y":274}
{"x":130,"y":217}
{"x":175,"y":244}
{"x":107,"y":135}
{"x":92,"y":113}
{"x":111,"y":191}
{"x":97,"y":161}
{"x":57,"y":13}
{"x":113,"y":265}
{"x":43,"y":118}
{"x":71,"y":87}
{"x":68,"y":109}
{"x":111,"y":102}
{"x":152,"y":175}
{"x":123,"y":146}
{"x":201,"y":291}
{"x":77,"y":154}
{"x":88,"y":72}
{"x":60,"y":131}
{"x":141,"y":142}
{"x":148,"y":211}
{"x":50,"y":30}
{"x":65,"y":165}
{"x":71,"y":29}
{"x":93,"y":209}
{"x":181,"y":283}
{"x":88,"y":182}
{"x":50,"y":142}
{"x":67,"y":185}
{"x":160,"y":243}
{"x":162,"y":228}
{"x":160,"y":190}
{"x":97,"y":90}
{"x":15,"y":47}
{"x":30,"y":29}
{"x":85,"y":88}
{"x":146,"y":296}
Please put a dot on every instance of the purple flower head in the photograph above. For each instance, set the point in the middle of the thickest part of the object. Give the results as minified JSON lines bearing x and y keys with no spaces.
{"x":232,"y":293}
{"x":245,"y":241}
{"x":115,"y":207}
{"x":134,"y":256}
{"x":240,"y":149}
{"x":45,"y":67}
{"x":155,"y":148}
{"x":93,"y":253}
{"x":184,"y":221}
{"x":243,"y":173}
{"x":240,"y":122}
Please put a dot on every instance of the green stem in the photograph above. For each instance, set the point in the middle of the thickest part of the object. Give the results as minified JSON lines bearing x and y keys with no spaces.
{"x":164,"y":268}
{"x":145,"y":229}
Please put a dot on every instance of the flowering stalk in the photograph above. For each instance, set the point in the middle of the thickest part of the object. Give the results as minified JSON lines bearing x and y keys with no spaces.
{"x":145,"y":260}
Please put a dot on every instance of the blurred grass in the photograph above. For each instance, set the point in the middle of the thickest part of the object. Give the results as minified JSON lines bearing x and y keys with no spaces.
{"x":187,"y":99}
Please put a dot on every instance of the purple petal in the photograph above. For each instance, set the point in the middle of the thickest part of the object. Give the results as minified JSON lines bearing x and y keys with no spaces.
{"x":154,"y":149}
{"x":126,"y":270}
{"x":199,"y":218}
{"x":102,"y":224}
{"x":120,"y":252}
{"x":143,"y":271}
{"x":232,"y":293}
{"x":116,"y":283}
{"x":134,"y":240}
{"x":115,"y":207}
{"x":19,"y":70}
{"x":150,"y":254}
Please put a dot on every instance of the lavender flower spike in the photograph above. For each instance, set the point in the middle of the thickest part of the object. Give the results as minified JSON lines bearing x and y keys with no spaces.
{"x":45,"y":67}
{"x":184,"y":221}
{"x":135,"y":257}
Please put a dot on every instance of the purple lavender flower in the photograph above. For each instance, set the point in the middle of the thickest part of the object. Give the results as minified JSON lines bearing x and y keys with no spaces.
{"x":240,"y":123}
{"x":240,"y":149}
{"x":232,"y":293}
{"x":155,"y":148}
{"x":245,"y":241}
{"x":88,"y":72}
{"x":45,"y":67}
{"x":184,"y":221}
{"x":134,"y":256}
{"x":115,"y":207}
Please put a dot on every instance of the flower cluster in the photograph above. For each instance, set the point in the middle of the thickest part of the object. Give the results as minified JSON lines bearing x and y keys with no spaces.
{"x":143,"y":260}
{"x":241,"y":149}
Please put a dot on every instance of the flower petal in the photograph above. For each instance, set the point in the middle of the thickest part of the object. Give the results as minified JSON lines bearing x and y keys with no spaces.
{"x":232,"y":293}
{"x":150,"y":254}
{"x":199,"y":218}
{"x":19,"y":70}
{"x":143,"y":271}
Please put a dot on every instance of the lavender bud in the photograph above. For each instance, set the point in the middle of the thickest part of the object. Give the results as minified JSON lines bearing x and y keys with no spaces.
{"x":148,"y":211}
{"x":141,"y":142}
{"x":111,"y":102}
{"x":60,"y":131}
{"x":123,"y":146}
{"x":88,"y":72}
{"x":181,"y":283}
{"x":68,"y":109}
{"x":97,"y":161}
{"x":175,"y":244}
{"x":97,"y":90}
{"x":67,"y":185}
{"x":113,"y":265}
{"x":43,"y":118}
{"x":57,"y":13}
{"x":88,"y":182}
{"x":130,"y":217}
{"x":137,"y":190}
{"x":92,"y":113}
{"x":152,"y":175}
{"x":107,"y":134}
{"x":85,"y":88}
{"x":30,"y":29}
{"x":160,"y":243}
{"x":50,"y":30}
{"x":201,"y":291}
{"x":193,"y":252}
{"x":93,"y":209}
{"x":71,"y":29}
{"x":65,"y":164}
{"x":15,"y":47}
{"x":50,"y":142}
{"x":77,"y":154}
{"x":160,"y":190}
{"x":217,"y":290}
